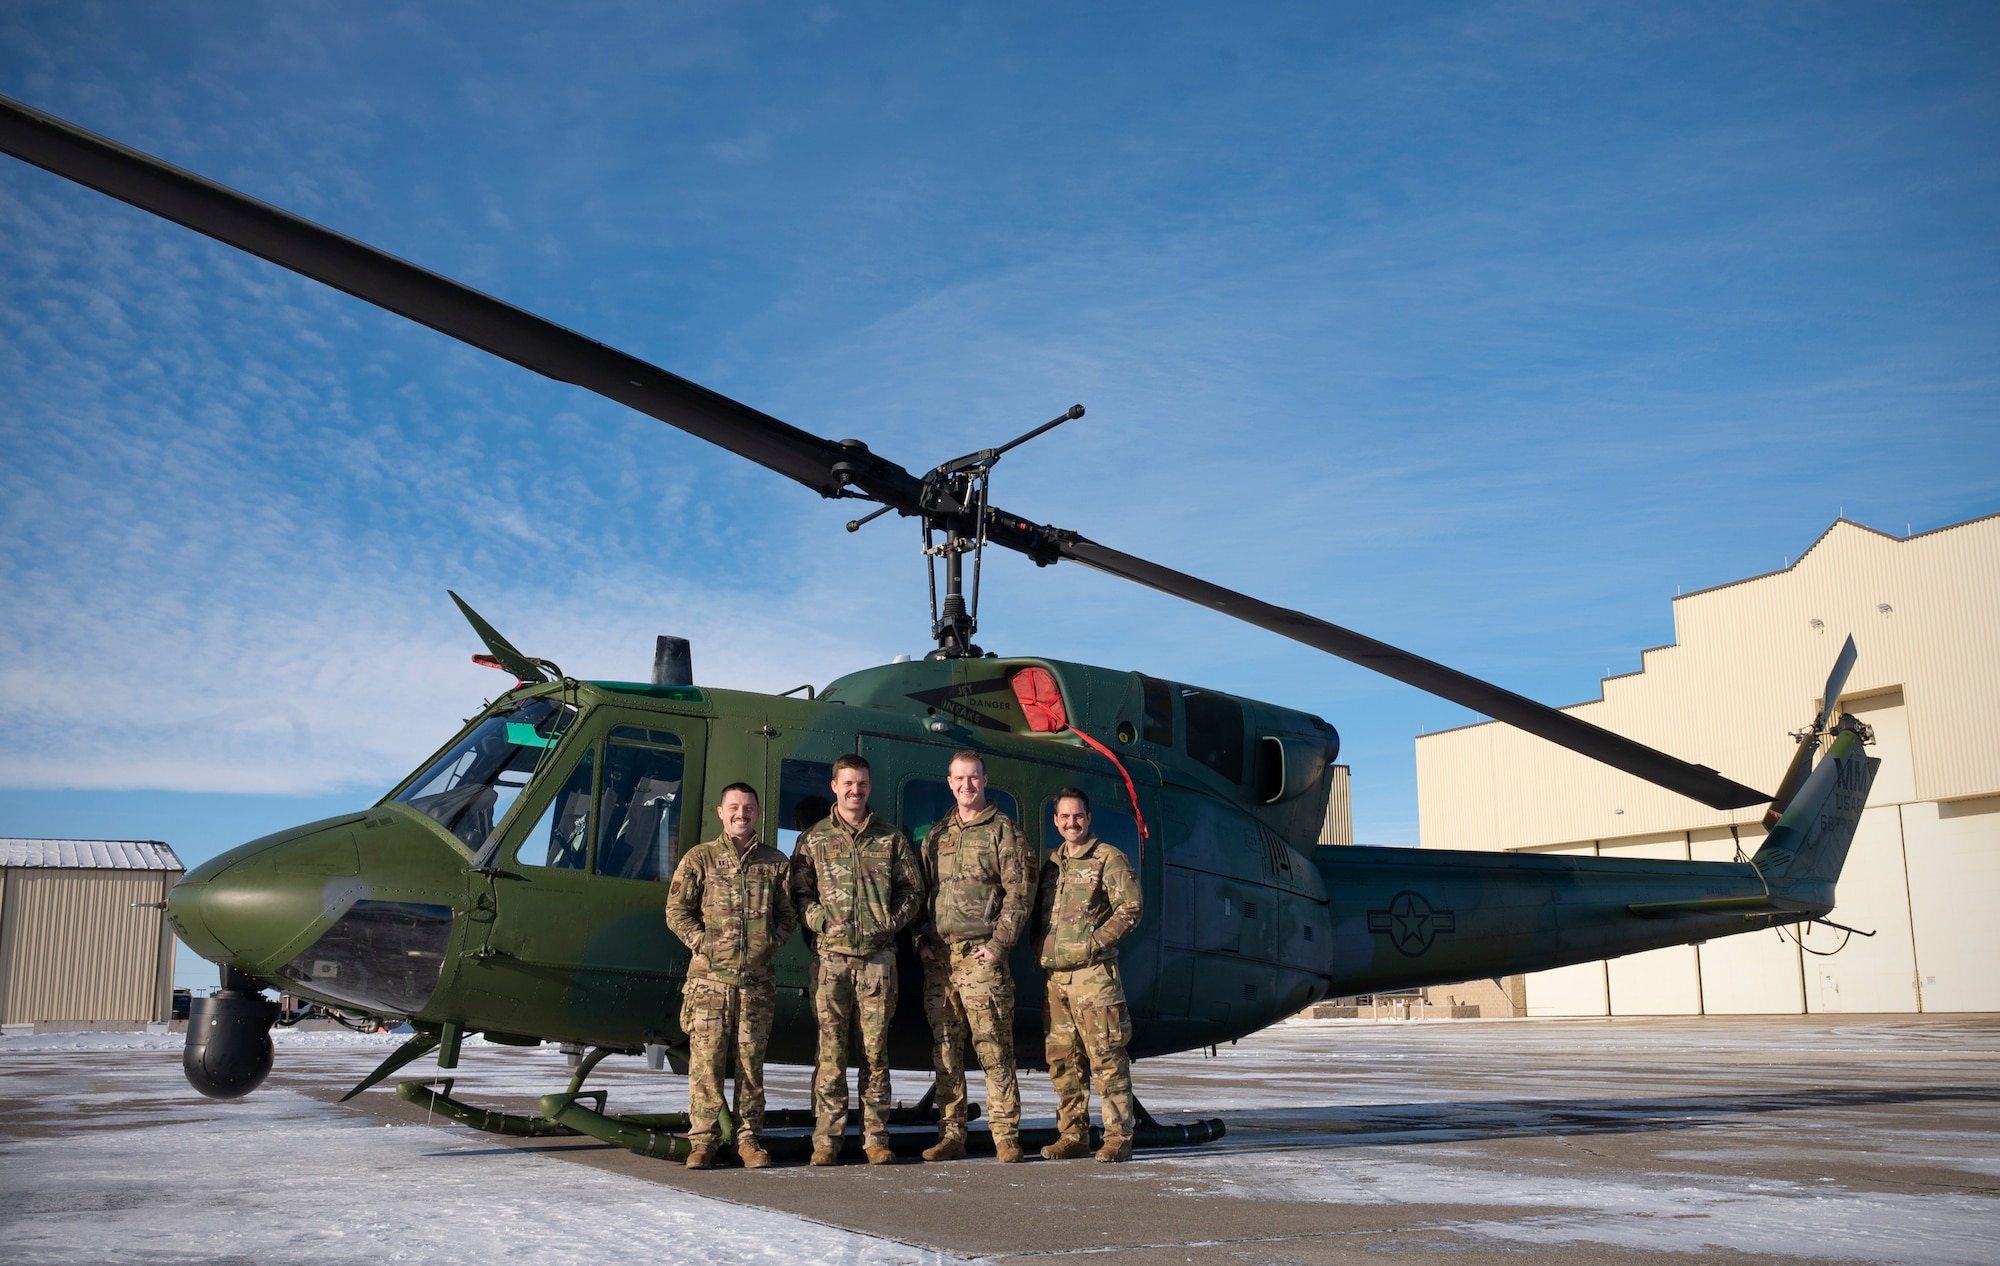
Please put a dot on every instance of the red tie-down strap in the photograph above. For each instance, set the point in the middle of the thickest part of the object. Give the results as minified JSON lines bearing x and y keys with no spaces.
{"x":1042,"y":703}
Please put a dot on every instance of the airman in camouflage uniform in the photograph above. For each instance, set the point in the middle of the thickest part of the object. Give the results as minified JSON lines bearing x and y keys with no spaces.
{"x":856,"y":884}
{"x":980,"y":873}
{"x":731,"y":904}
{"x":1088,"y":901}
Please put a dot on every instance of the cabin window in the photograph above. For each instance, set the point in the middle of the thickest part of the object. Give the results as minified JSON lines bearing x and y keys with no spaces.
{"x":925,"y":800}
{"x":1214,"y":731}
{"x":561,"y":837}
{"x":639,"y":804}
{"x":1114,"y":826}
{"x":805,"y":797}
{"x":470,"y":788}
{"x":1159,"y":711}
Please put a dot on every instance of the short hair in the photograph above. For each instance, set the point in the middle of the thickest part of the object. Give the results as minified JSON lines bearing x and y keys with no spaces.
{"x":967,"y":754}
{"x":850,"y":761}
{"x":743,"y":787}
{"x":1073,"y":793}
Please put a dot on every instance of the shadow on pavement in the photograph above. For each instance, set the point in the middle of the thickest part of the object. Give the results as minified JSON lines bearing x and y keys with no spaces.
{"x":1402,"y":1124}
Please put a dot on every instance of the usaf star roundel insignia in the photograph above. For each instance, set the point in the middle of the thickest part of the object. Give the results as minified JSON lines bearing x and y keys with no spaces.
{"x":1410,"y":923}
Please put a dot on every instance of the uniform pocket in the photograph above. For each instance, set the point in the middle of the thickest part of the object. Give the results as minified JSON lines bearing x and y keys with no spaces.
{"x":1105,"y":1028}
{"x":1100,"y":986}
{"x":702,"y":1000}
{"x":976,"y":978}
{"x":873,"y":979}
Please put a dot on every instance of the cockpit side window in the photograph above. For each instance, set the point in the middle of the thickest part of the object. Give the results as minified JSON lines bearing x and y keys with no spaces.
{"x":470,"y":788}
{"x":561,"y":839}
{"x":639,"y":805}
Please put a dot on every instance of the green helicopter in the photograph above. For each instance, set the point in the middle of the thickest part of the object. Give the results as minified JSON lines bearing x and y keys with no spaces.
{"x":512,"y":886}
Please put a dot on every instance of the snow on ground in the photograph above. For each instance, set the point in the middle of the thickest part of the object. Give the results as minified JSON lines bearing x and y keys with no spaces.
{"x":1394,"y":1077}
{"x":1793,"y":1137}
{"x":283,"y":1039}
{"x":121,"y":1162}
{"x":1662,"y":1212}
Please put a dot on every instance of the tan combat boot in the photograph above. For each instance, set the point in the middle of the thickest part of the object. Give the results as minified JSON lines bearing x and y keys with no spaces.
{"x":949,"y":1147}
{"x":879,"y":1155}
{"x":1068,"y":1147}
{"x":1007,"y":1151}
{"x":1115,"y":1149}
{"x":825,"y":1154}
{"x":752,"y":1153}
{"x":702,"y":1157}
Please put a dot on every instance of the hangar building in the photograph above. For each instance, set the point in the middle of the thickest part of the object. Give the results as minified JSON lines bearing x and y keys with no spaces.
{"x":84,"y":941}
{"x":1747,"y":666}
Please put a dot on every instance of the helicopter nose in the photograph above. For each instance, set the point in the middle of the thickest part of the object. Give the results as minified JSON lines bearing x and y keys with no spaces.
{"x":184,"y":915}
{"x":246,"y":907}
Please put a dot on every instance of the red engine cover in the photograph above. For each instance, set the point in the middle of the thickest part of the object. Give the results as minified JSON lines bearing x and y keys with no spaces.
{"x":1041,"y":699}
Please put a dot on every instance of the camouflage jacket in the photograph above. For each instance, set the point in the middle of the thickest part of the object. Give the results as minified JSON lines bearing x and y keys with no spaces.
{"x":981,"y":880}
{"x":1085,"y":906}
{"x":855,"y":889}
{"x":733,"y":910}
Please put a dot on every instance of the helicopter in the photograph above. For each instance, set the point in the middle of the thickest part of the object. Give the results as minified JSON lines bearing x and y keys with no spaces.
{"x":512,"y":885}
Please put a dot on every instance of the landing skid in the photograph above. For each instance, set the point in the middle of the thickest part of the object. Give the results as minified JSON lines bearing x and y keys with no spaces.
{"x":663,"y":1135}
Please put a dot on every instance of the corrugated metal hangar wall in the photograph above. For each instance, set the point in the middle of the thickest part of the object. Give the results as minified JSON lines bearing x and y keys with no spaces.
{"x":1747,"y":667}
{"x":83,"y":941}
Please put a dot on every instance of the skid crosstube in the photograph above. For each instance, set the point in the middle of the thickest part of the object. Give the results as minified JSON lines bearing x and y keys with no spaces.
{"x":663,"y":1135}
{"x":630,"y":1133}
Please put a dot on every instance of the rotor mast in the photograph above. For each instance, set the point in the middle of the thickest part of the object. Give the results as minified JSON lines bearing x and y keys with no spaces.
{"x":955,"y":505}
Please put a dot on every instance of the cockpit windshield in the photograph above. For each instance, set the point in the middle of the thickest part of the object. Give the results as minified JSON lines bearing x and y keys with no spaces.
{"x":471,"y":787}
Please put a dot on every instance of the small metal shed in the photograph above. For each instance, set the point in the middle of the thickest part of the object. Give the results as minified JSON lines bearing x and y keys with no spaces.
{"x":84,"y":941}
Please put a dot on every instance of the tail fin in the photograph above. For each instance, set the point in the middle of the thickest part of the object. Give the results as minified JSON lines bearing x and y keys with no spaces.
{"x":1802,"y":857}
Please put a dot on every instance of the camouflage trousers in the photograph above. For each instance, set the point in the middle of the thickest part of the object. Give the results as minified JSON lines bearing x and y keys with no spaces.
{"x":964,"y":997}
{"x":726,"y":1024}
{"x":1088,"y":1027}
{"x":854,"y":994}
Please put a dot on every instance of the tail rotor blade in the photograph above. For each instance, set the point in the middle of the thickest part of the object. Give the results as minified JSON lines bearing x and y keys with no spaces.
{"x":1836,"y":681}
{"x":1801,"y":766}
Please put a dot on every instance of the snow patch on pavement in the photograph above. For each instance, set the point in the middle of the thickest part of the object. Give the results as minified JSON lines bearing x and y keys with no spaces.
{"x":127,"y":1166}
{"x":1664,"y":1212}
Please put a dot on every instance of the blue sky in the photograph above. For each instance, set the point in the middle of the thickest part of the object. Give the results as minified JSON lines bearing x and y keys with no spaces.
{"x":1481,"y":329}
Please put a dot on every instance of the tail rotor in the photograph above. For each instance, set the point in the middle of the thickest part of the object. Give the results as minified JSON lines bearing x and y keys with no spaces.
{"x":1809,"y":738}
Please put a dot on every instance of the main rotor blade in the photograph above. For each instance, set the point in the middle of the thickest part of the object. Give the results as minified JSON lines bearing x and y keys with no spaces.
{"x":441,"y":303}
{"x":1697,"y":782}
{"x":549,"y":349}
